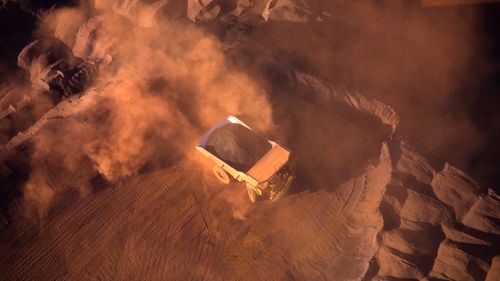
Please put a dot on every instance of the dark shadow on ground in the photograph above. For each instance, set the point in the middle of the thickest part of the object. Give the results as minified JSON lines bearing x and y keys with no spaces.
{"x":330,"y":141}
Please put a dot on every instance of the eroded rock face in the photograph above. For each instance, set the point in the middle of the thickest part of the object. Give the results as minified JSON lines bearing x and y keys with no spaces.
{"x":421,"y":208}
{"x":395,"y":266}
{"x":413,"y":164}
{"x":454,"y":188}
{"x":463,"y":235}
{"x":484,"y":215}
{"x":453,"y":263}
{"x":427,"y":240}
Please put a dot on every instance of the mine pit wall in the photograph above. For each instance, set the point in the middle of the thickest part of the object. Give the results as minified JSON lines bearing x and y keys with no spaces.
{"x":436,"y":224}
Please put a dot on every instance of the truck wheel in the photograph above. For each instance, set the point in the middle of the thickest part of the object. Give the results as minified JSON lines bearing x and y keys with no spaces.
{"x":252,"y":194}
{"x":221,"y":175}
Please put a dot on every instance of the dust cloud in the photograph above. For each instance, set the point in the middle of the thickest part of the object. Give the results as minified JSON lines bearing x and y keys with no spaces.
{"x":160,"y":88}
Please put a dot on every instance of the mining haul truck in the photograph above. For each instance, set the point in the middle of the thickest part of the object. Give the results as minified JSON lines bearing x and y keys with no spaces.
{"x":240,"y":154}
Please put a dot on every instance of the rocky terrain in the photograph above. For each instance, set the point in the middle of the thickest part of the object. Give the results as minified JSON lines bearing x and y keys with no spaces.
{"x":100,"y":180}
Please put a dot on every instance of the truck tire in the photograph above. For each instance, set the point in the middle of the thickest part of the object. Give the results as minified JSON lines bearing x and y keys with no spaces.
{"x":221,"y":175}
{"x":252,"y":194}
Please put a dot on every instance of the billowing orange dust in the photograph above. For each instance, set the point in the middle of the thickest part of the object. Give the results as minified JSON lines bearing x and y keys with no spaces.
{"x":160,"y":86}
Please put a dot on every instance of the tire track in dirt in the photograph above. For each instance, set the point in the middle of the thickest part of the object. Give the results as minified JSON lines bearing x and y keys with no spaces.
{"x":150,"y":220}
{"x":70,"y":220}
{"x":70,"y":223}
